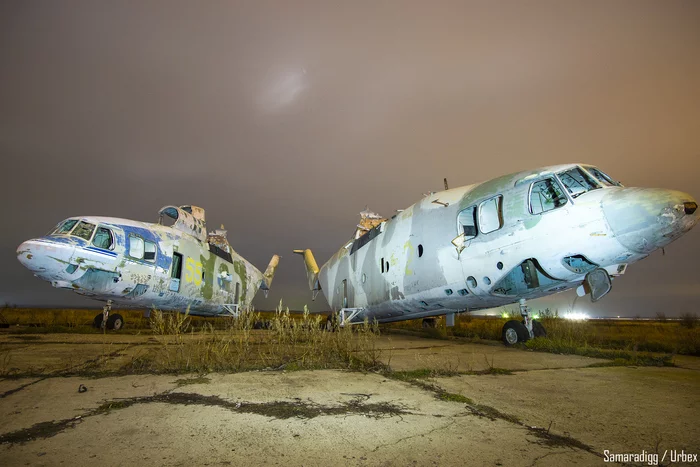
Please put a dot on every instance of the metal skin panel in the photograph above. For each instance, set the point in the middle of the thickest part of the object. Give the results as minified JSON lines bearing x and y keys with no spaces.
{"x":611,"y":226}
{"x":207,"y":281}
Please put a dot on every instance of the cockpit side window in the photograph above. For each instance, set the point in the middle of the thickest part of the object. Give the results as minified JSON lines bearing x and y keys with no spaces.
{"x":136,"y":247}
{"x":491,"y":215}
{"x":602,"y":177}
{"x":84,"y":230}
{"x":65,"y":227}
{"x":103,"y":238}
{"x":577,"y":181}
{"x":466,"y":222}
{"x":546,"y":195}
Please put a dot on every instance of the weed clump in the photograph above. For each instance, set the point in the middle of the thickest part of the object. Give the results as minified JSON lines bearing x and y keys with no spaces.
{"x":247,"y":342}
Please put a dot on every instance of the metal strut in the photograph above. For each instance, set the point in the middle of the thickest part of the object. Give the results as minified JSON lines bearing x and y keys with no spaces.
{"x":525,"y":313}
{"x":346,"y":315}
{"x":105,"y":314}
{"x":233,"y":309}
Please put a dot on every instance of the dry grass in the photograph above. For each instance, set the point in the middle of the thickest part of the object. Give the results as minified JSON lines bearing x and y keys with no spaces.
{"x":291,"y":343}
{"x":65,"y":320}
{"x":666,"y":336}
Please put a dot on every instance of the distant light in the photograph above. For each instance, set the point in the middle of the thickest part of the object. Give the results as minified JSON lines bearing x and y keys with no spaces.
{"x":576,"y":316}
{"x":504,"y":315}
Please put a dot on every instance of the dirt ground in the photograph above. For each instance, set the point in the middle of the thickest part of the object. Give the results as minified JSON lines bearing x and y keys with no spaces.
{"x":552,"y":410}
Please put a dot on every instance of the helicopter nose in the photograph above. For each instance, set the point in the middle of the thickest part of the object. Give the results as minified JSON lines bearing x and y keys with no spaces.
{"x":645,"y":219}
{"x":45,"y":258}
{"x":27,"y":255}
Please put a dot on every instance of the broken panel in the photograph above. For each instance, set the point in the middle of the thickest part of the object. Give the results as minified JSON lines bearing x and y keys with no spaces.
{"x":527,"y":277}
{"x":578,"y":264}
{"x":597,"y":283}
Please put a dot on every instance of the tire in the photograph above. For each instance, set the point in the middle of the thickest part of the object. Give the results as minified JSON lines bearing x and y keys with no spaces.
{"x":97,"y":322}
{"x":537,"y":329}
{"x":514,"y":332}
{"x":115,"y":322}
{"x":429,"y":323}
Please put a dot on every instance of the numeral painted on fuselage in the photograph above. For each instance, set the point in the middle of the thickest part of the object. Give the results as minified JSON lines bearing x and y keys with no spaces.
{"x":193,"y":271}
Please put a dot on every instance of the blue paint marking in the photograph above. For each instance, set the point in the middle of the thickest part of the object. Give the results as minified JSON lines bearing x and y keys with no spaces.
{"x":101,"y":251}
{"x":162,"y":260}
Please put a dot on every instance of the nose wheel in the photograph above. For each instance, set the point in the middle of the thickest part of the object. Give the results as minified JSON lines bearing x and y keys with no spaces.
{"x":105,"y":320}
{"x":515,"y":332}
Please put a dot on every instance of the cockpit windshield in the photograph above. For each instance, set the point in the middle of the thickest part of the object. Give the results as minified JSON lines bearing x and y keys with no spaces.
{"x":84,"y":230}
{"x":578,"y":182}
{"x":65,"y":227}
{"x":602,"y":177}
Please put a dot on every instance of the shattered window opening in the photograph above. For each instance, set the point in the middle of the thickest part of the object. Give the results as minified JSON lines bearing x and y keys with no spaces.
{"x":578,"y":182}
{"x":136,"y":247}
{"x":546,"y":195}
{"x":365,"y":238}
{"x":103,"y":238}
{"x":149,"y":253}
{"x":65,"y":227}
{"x":602,"y":177}
{"x":466,"y":222}
{"x":491,"y":215}
{"x":168,"y":217}
{"x":84,"y":230}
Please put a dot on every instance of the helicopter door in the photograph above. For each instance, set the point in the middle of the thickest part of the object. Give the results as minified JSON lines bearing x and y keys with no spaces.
{"x":176,"y":273}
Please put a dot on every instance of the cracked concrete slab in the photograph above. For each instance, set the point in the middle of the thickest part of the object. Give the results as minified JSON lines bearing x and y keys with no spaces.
{"x":427,"y":432}
{"x":339,"y":417}
{"x":623,"y":409}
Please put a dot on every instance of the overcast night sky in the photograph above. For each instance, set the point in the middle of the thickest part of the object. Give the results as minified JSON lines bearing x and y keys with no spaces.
{"x":284,"y":119}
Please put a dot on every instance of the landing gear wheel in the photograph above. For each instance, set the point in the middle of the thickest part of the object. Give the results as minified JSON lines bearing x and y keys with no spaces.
{"x":537,"y":329}
{"x":429,"y":323}
{"x":514,"y":332}
{"x":115,"y":322}
{"x":97,"y":322}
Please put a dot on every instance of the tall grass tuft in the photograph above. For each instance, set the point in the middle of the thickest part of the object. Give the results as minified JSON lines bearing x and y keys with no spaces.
{"x":291,"y":342}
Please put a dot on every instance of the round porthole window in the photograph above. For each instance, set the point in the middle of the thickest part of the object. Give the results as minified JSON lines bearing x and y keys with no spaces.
{"x":364,"y":278}
{"x":420,"y":250}
{"x":471,"y":281}
{"x":499,"y":265}
{"x":487,"y":281}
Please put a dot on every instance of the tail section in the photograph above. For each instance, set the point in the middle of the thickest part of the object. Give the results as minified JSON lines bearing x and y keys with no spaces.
{"x":269,"y":274}
{"x":311,"y":270}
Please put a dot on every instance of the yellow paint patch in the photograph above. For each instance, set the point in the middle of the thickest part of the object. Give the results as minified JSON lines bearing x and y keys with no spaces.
{"x":408,"y":248}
